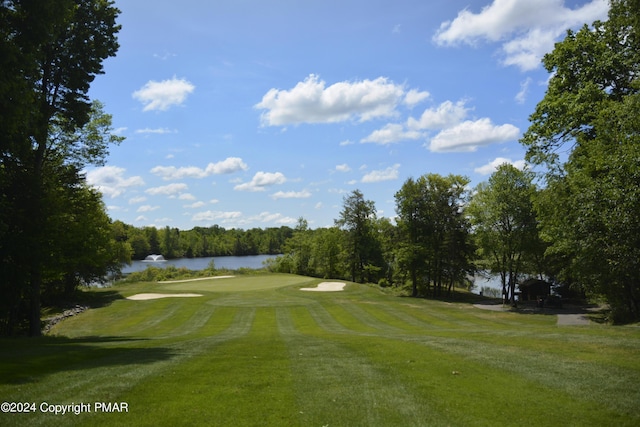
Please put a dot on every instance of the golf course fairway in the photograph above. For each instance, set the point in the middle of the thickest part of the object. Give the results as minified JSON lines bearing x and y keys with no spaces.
{"x":256,"y":350}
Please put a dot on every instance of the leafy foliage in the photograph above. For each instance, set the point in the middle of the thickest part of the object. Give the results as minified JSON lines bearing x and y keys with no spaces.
{"x":52,"y":51}
{"x":505,"y":224}
{"x":589,"y":209}
{"x":434,"y":245}
{"x":357,"y":219}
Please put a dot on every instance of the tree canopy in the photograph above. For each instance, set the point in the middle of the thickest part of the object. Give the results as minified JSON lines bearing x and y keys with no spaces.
{"x":51,"y":52}
{"x":504,"y":223}
{"x":589,"y":209}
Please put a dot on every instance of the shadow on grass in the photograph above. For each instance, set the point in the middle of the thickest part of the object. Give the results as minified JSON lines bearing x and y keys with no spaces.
{"x":27,"y":360}
{"x":590,"y":311}
{"x":98,"y":298}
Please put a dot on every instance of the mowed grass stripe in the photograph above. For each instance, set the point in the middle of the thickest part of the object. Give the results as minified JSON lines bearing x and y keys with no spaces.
{"x":112,"y":374}
{"x":252,"y":369}
{"x":368,"y":318}
{"x":409,"y":318}
{"x":464,"y":391}
{"x":336,"y":384}
{"x":190,"y":320}
{"x":323,"y":318}
{"x":160,"y":320}
{"x":391,"y":315}
{"x":580,"y":384}
{"x":436,"y":369}
{"x":430,"y":313}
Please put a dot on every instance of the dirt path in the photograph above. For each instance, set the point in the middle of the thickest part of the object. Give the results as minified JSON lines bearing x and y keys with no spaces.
{"x":575,"y":317}
{"x":572,"y":320}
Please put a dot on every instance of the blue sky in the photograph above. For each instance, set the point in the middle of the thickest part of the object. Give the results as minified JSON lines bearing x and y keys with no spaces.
{"x":255,"y":113}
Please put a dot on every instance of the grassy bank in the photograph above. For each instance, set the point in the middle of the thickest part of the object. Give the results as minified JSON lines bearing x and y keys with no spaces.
{"x":256,"y":350}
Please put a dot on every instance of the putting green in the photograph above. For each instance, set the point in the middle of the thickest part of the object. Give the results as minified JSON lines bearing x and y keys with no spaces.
{"x":239,"y":284}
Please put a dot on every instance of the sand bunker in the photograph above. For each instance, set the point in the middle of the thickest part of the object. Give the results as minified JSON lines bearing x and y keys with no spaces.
{"x":142,"y":297}
{"x":327,"y":287}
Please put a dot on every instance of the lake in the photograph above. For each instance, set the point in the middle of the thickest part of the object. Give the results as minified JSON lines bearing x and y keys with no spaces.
{"x":229,"y":262}
{"x":489,"y":280}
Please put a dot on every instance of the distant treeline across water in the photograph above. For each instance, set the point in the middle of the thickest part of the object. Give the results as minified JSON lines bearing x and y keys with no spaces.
{"x":201,"y":242}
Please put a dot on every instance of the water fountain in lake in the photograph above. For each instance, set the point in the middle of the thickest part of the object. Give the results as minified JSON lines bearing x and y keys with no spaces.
{"x":154,"y":258}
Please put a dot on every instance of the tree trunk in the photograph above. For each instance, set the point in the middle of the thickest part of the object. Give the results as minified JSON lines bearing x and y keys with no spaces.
{"x":414,"y":281}
{"x":36,"y":226}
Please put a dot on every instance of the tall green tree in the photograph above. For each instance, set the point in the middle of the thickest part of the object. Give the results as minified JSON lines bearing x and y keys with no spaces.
{"x":435,"y":245}
{"x":299,"y":249}
{"x":589,"y":214}
{"x":54,"y":48}
{"x":363,"y":250}
{"x":504,"y":223}
{"x":414,"y":224}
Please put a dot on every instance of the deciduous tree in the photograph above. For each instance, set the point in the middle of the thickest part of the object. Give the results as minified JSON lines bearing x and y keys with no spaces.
{"x":54,"y":49}
{"x":363,"y":250}
{"x":504,"y":223}
{"x":435,"y":245}
{"x":590,"y":211}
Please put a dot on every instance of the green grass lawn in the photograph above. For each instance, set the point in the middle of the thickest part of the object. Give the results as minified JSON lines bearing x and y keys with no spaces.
{"x":256,"y":351}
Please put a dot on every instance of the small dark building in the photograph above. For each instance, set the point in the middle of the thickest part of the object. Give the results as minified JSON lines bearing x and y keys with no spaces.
{"x":534,"y":289}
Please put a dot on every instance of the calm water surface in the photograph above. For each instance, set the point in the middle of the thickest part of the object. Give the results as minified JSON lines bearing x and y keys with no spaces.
{"x":229,"y":262}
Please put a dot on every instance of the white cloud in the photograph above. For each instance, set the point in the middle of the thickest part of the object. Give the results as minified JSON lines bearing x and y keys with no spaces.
{"x":163,"y":95}
{"x":147,"y":208}
{"x":171,"y":172}
{"x":445,"y":115}
{"x":291,"y":195}
{"x":346,"y":142}
{"x":492,"y":166}
{"x":273,"y":217}
{"x":229,"y":165}
{"x":526,"y":52}
{"x":414,"y":97}
{"x":521,"y":96}
{"x":343,"y":168}
{"x":211,"y":216}
{"x":226,"y":166}
{"x":261,"y":180}
{"x":194,"y":205}
{"x":310,"y":101}
{"x":526,"y":28}
{"x":391,"y":133}
{"x":469,"y":135}
{"x":186,"y":196}
{"x":387,"y":174}
{"x":157,"y":131}
{"x":138,"y":199}
{"x":167,"y":190}
{"x":110,"y":180}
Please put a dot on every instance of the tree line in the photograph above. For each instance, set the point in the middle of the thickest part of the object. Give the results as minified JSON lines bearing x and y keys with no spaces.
{"x":442,"y":234}
{"x":200,"y":241}
{"x":574,"y":221}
